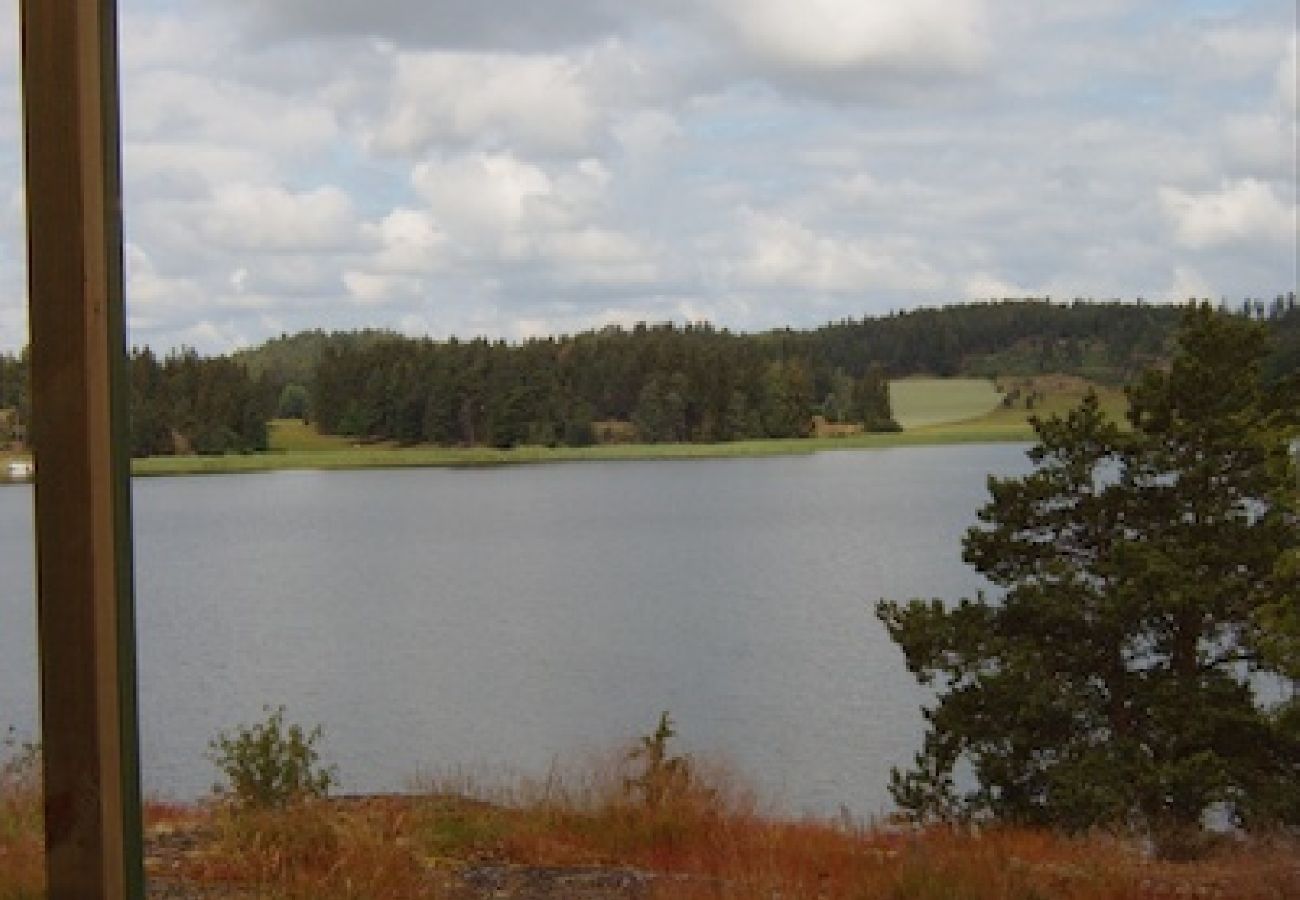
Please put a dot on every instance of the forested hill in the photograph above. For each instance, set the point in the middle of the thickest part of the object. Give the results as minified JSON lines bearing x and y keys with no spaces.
{"x":699,"y":383}
{"x":1108,"y":341}
{"x":648,"y":382}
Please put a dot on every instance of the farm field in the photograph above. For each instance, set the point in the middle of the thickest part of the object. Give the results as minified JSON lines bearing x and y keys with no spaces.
{"x":1052,"y":395}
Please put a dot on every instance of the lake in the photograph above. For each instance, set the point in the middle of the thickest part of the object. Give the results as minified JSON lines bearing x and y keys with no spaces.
{"x":494,"y":620}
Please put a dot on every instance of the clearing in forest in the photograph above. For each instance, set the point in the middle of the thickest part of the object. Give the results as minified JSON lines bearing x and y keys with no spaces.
{"x":918,"y":402}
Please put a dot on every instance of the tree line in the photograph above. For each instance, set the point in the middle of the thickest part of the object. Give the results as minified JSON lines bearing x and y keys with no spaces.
{"x":14,"y":403}
{"x":186,"y":403}
{"x":182,"y":403}
{"x":671,"y":383}
{"x":648,"y":382}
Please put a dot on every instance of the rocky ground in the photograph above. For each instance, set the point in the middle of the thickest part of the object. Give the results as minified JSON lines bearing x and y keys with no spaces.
{"x":170,"y":847}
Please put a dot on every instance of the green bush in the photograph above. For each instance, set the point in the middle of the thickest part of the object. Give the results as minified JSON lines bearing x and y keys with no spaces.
{"x":269,"y":763}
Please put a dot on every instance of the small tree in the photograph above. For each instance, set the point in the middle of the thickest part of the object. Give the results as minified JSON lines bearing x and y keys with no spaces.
{"x":1144,"y":574}
{"x":663,"y":778}
{"x":270,"y":763}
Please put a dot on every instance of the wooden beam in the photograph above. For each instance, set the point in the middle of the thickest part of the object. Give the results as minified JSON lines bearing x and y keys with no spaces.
{"x":83,"y":539}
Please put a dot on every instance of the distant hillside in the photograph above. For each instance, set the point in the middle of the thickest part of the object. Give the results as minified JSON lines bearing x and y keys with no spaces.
{"x":697,"y":383}
{"x":292,"y":358}
{"x":1108,"y":342}
{"x":655,"y":382}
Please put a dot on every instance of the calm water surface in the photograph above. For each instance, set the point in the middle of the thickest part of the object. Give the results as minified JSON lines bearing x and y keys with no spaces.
{"x":495,"y":619}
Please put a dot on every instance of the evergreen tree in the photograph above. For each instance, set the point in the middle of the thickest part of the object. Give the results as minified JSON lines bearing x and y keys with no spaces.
{"x":292,"y":402}
{"x":1148,"y":577}
{"x":871,"y":405}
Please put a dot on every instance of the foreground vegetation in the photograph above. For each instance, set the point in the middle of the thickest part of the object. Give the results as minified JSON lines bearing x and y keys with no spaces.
{"x":645,"y":822}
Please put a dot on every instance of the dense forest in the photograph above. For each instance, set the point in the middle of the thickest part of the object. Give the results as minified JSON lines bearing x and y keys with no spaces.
{"x":186,"y":403}
{"x":692,"y":383}
{"x":649,"y":383}
{"x":13,"y":397}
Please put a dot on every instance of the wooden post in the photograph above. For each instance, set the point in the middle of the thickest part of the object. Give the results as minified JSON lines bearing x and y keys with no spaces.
{"x":83,"y":538}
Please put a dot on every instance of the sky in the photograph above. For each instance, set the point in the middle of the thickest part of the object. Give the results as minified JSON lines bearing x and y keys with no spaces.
{"x":534,"y":167}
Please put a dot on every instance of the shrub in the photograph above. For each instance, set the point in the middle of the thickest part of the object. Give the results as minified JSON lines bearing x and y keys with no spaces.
{"x":270,"y":763}
{"x":662,"y":777}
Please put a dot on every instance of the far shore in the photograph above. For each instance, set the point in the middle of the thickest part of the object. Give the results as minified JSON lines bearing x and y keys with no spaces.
{"x":387,"y":456}
{"x":934,"y":412}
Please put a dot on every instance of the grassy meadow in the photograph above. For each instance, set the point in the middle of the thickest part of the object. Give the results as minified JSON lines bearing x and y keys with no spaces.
{"x":931,"y":411}
{"x":919,"y":402}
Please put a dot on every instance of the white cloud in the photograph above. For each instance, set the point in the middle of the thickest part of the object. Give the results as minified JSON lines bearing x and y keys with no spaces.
{"x":1189,"y":284}
{"x":153,"y":299}
{"x":986,"y":286}
{"x":375,"y":288}
{"x":645,"y":134}
{"x":589,"y":256}
{"x":289,"y":276}
{"x":758,"y":162}
{"x":482,"y":199}
{"x":1244,"y":49}
{"x":175,"y":104}
{"x":409,"y":240}
{"x":922,"y":37}
{"x":188,"y":170}
{"x":493,"y":99}
{"x":1239,"y":212}
{"x":1262,"y":144}
{"x":783,"y":253}
{"x":481,"y":193}
{"x":154,"y":40}
{"x":1286,"y":81}
{"x":529,"y":24}
{"x":266,"y":218}
{"x":410,"y":246}
{"x":213,"y":336}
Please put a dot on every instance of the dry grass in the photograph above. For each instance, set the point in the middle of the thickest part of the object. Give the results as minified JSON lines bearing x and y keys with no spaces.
{"x":411,"y":847}
{"x":22,"y":852}
{"x":706,"y":838}
{"x":702,"y":846}
{"x":690,"y":826}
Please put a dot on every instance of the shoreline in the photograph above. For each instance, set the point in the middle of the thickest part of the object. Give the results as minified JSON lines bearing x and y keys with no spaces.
{"x":930,"y":419}
{"x":385,"y":457}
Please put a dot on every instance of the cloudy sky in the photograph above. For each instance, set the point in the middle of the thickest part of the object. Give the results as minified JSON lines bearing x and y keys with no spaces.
{"x":525,"y":167}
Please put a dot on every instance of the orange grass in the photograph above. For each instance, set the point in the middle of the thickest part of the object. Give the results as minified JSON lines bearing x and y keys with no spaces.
{"x":707,"y":839}
{"x":22,"y":850}
{"x":398,"y":847}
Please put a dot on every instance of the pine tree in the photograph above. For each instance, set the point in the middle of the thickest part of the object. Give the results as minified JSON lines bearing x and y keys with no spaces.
{"x":1146,"y":576}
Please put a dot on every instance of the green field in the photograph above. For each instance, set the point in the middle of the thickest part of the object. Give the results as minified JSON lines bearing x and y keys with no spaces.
{"x":1055,"y":395}
{"x":919,"y":402}
{"x":293,"y":435}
